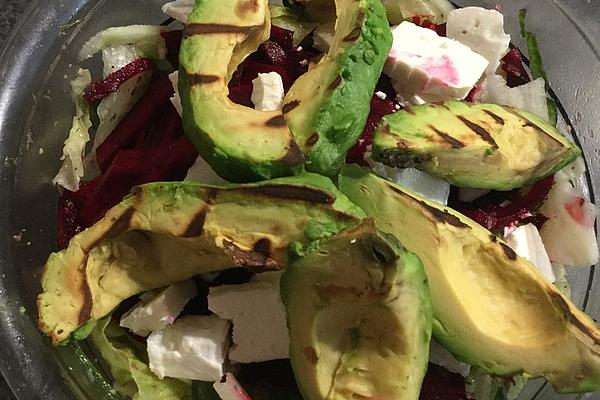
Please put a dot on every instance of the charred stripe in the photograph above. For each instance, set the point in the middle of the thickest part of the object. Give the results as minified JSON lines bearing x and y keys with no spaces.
{"x":211,"y":29}
{"x":479,"y":130}
{"x":455,"y":143}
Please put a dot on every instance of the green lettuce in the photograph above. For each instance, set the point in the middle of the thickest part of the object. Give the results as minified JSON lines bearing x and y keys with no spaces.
{"x":126,"y":360}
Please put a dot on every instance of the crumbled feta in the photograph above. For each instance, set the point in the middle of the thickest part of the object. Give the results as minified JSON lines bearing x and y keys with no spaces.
{"x":194,"y":347}
{"x":529,"y":97}
{"x":259,"y":321}
{"x":323,"y":37}
{"x":438,"y":355}
{"x":428,"y":186}
{"x":202,"y":172}
{"x":425,"y":67}
{"x":176,"y":99}
{"x":179,"y":9}
{"x":160,"y":310}
{"x":482,"y":30}
{"x":228,"y":388}
{"x":526,"y":241}
{"x":569,"y":234}
{"x":267,"y":92}
{"x":381,"y":95}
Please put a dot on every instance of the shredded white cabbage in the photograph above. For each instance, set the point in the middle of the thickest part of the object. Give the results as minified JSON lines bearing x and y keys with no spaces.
{"x":115,"y":58}
{"x":529,"y":97}
{"x":72,"y":169}
{"x":147,"y":40}
{"x":179,"y":9}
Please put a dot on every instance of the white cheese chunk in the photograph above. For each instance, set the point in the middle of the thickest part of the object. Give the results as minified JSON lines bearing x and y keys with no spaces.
{"x":259,"y":322}
{"x":228,"y":388}
{"x":529,"y":97}
{"x":482,"y":30}
{"x":428,"y":186}
{"x":425,"y":67}
{"x":179,"y":9}
{"x":160,"y":310}
{"x":176,"y":99}
{"x":323,"y":37}
{"x":194,"y":347}
{"x":438,"y":355}
{"x":267,"y":92}
{"x":526,"y":241}
{"x":569,"y":234}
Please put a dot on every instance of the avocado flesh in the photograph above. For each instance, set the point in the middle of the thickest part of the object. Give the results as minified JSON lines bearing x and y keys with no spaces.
{"x":491,"y":308}
{"x":326,"y":109}
{"x":483,"y":146}
{"x":241,"y":144}
{"x":168,"y":232}
{"x":359,"y":316}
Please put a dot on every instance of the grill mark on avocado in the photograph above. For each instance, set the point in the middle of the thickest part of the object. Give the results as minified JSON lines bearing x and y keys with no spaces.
{"x":196,"y":226}
{"x":290,"y":106}
{"x":263,"y":246}
{"x":86,"y":307}
{"x":291,"y":192}
{"x":479,"y":130}
{"x":120,"y":225}
{"x":276,"y":121}
{"x":314,"y":138}
{"x":496,"y":117}
{"x":211,"y":29}
{"x":336,"y":82}
{"x":455,"y":143}
{"x":249,"y":258}
{"x":294,"y":155}
{"x":201,"y":79}
{"x":441,"y":216}
{"x":572,"y":318}
{"x":354,"y":35}
{"x":510,"y":253}
{"x":248,"y":6}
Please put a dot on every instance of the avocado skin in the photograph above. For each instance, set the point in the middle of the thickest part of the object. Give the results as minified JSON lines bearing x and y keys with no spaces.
{"x":485,"y":146}
{"x":346,"y":77}
{"x":197,"y":228}
{"x":492,"y":309}
{"x":359,"y":314}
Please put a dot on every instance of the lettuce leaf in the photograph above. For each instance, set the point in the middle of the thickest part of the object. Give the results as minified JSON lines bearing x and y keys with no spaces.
{"x":147,"y":40}
{"x":126,"y":360}
{"x":72,"y":169}
{"x":535,"y":62}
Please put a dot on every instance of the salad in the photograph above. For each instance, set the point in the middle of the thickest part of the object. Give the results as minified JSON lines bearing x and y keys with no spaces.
{"x":322,"y":200}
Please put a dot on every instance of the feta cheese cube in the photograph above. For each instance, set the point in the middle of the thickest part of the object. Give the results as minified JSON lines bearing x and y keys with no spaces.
{"x":526,"y":241}
{"x":179,"y":9}
{"x":259,"y":322}
{"x":569,"y":233}
{"x":160,"y":310}
{"x":425,"y":67}
{"x":267,"y":92}
{"x":482,"y":30}
{"x":323,"y":37}
{"x":176,"y":99}
{"x":529,"y":97}
{"x":228,"y":388}
{"x":428,"y":186}
{"x":194,"y":347}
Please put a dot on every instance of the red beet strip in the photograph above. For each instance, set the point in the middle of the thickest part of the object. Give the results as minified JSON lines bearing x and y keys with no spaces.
{"x":98,"y":90}
{"x":125,"y":134}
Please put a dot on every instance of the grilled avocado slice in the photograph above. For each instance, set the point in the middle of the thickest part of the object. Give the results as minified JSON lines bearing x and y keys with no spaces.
{"x":241,"y":144}
{"x":326,"y":109}
{"x":169,"y":232}
{"x":483,"y":146}
{"x":359,"y":316}
{"x":491,"y":308}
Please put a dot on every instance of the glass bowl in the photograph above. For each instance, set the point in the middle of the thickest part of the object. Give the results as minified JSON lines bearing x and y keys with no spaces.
{"x":35,"y":115}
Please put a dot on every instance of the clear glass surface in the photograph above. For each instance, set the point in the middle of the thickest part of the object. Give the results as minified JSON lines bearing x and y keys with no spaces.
{"x":35,"y":115}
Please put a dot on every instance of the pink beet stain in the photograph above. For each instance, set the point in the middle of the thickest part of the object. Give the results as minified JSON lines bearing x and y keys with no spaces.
{"x":442,"y":69}
{"x":576,"y":211}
